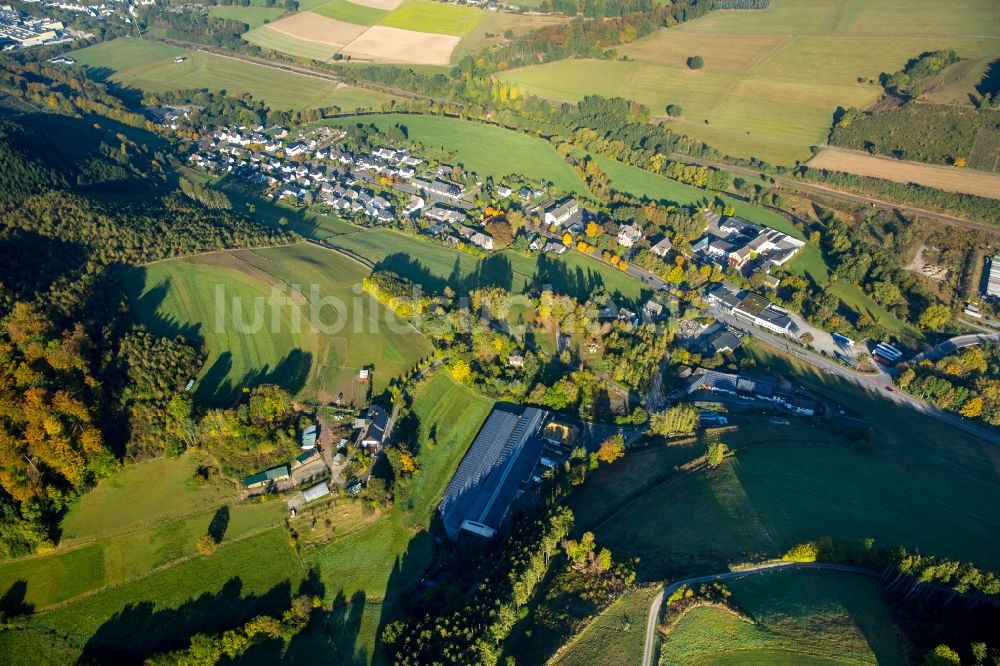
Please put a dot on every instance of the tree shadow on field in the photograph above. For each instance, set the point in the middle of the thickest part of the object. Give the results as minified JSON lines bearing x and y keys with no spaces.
{"x":139,"y":630}
{"x":146,"y":302}
{"x":990,"y":83}
{"x":217,"y":389}
{"x":12,"y":603}
{"x":220,"y":523}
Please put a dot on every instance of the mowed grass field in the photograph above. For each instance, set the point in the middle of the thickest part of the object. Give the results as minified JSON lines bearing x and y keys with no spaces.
{"x":252,"y":16}
{"x":772,"y":79}
{"x":488,"y":150}
{"x":616,"y":636}
{"x":149,"y":66}
{"x":923,"y":486}
{"x":435,"y":266}
{"x":344,"y":10}
{"x":814,"y":617}
{"x":242,"y":579}
{"x":269,"y":38}
{"x":224,"y":301}
{"x":434,"y":17}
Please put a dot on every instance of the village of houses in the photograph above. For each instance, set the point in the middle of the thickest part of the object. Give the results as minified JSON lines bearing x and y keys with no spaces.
{"x":387,"y":185}
{"x":390,"y":185}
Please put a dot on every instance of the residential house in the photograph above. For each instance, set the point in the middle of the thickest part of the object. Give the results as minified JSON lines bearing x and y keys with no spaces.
{"x":629,"y":234}
{"x":662,"y":247}
{"x":372,"y":435}
{"x":484,"y":241}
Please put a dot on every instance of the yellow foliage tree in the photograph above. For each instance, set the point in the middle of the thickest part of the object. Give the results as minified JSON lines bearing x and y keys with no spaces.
{"x":593,"y":229}
{"x":567,"y":238}
{"x":973,"y":407}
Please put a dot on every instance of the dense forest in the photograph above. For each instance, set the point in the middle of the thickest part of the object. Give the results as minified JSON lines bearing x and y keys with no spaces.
{"x":81,"y":387}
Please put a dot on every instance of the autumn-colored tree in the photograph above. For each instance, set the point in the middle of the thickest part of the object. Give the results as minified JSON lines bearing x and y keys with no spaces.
{"x":681,"y":419}
{"x":460,"y":370}
{"x":567,"y":238}
{"x":611,"y":449}
{"x":593,"y":229}
{"x":935,"y":317}
{"x":206,"y":545}
{"x":716,"y":453}
{"x":973,"y":407}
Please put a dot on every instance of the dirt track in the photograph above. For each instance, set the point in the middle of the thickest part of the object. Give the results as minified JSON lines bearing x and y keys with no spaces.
{"x":952,"y":179}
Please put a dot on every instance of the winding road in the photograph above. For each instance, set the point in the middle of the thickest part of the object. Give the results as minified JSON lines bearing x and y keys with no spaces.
{"x":654,"y":608}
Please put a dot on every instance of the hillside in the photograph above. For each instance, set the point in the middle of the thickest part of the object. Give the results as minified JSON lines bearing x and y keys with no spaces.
{"x":772,"y":79}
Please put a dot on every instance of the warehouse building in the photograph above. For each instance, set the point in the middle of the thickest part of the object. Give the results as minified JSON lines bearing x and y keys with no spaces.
{"x":489,"y":479}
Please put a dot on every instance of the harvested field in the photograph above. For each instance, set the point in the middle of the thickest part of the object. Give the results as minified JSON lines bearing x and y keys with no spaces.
{"x":945,"y":178}
{"x":315,"y":28}
{"x":395,"y":45}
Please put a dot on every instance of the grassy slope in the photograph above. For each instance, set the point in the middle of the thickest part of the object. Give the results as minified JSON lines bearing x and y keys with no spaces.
{"x":800,"y":616}
{"x":435,"y":266}
{"x":252,"y":16}
{"x":180,"y":297}
{"x":66,"y":574}
{"x":485,"y":149}
{"x":387,"y":558}
{"x":436,"y":17}
{"x":773,"y":79}
{"x":149,"y":66}
{"x":349,"y":12}
{"x":267,"y":37}
{"x":148,"y":515}
{"x":364,"y":561}
{"x":605,"y":640}
{"x":202,"y":594}
{"x":924,"y":486}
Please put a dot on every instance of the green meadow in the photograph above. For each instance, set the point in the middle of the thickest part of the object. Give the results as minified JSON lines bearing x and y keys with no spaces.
{"x":616,"y":636}
{"x":486,"y":149}
{"x":149,"y":66}
{"x":921,"y":485}
{"x":772,"y":79}
{"x":434,"y":266}
{"x":223,"y":301}
{"x":242,"y":579}
{"x":431,"y":16}
{"x":267,"y":37}
{"x":815,"y":617}
{"x":252,"y":16}
{"x":349,"y":12}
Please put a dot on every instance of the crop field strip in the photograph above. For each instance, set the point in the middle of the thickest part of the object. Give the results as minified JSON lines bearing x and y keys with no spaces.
{"x":948,"y":178}
{"x":421,"y":32}
{"x":150,"y":67}
{"x":772,"y":79}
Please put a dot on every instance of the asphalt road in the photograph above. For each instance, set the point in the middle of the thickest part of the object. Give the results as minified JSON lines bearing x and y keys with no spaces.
{"x":957,"y":342}
{"x":654,"y":608}
{"x":791,"y":183}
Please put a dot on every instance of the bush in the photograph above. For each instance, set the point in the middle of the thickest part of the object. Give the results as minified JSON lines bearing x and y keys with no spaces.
{"x":674,"y":110}
{"x":206,"y":545}
{"x":804,"y":552}
{"x":696,"y":62}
